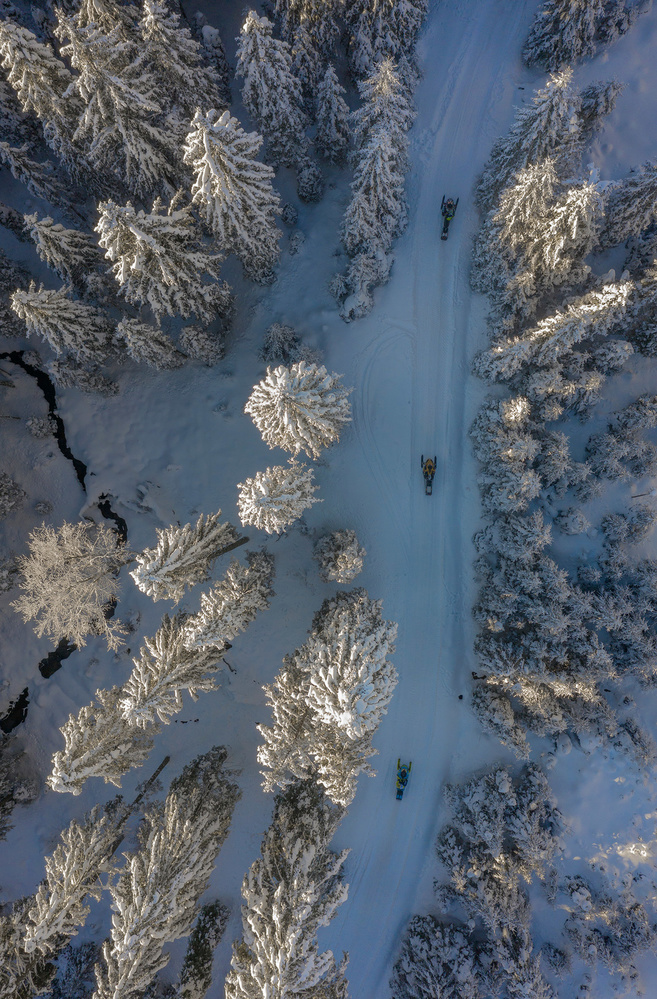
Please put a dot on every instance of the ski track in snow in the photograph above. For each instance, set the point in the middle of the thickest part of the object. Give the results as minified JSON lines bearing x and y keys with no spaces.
{"x":392,"y":842}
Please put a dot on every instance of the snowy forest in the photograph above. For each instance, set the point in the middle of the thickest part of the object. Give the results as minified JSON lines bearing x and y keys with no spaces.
{"x":220,"y":237}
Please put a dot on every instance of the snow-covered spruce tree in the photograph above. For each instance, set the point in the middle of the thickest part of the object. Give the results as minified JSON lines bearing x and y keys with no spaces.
{"x":158,"y":259}
{"x":69,"y":578}
{"x":108,"y":15}
{"x":300,"y":408}
{"x":69,"y":374}
{"x":293,"y":888}
{"x":328,"y":699}
{"x":155,"y":898}
{"x":366,"y":271}
{"x":232,"y":190}
{"x":68,"y":252}
{"x":40,"y":80}
{"x":229,"y":607}
{"x":99,"y":742}
{"x":68,"y":326}
{"x":340,"y":556}
{"x":271,"y":93}
{"x":72,"y":876}
{"x":438,"y":961}
{"x":596,"y":313}
{"x":275,"y":498}
{"x":320,"y":20}
{"x":383,"y":29}
{"x":41,"y":925}
{"x":386,"y":106}
{"x":332,"y":117}
{"x":12,"y":496}
{"x":505,"y":833}
{"x":594,"y":103}
{"x":166,"y":668}
{"x":117,"y":128}
{"x":630,"y":206}
{"x":214,"y":54}
{"x":183,"y":557}
{"x":506,"y":448}
{"x":541,"y":129}
{"x":376,"y":214}
{"x":281,"y":343}
{"x":196,"y":973}
{"x":173,"y":57}
{"x":606,"y":925}
{"x":563,"y":31}
{"x":37,"y":177}
{"x":147,"y":343}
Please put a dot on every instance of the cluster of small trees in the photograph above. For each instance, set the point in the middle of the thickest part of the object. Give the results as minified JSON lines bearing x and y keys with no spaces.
{"x":505,"y":832}
{"x":549,"y":645}
{"x":68,"y":579}
{"x":154,"y":894}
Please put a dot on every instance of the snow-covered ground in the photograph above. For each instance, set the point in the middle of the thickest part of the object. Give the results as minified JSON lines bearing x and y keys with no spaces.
{"x":174,"y":444}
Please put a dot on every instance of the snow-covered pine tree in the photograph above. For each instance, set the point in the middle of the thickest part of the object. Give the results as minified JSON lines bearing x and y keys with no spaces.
{"x":37,"y":177}
{"x":68,"y":326}
{"x":386,"y":106}
{"x":630,"y":206}
{"x":329,"y":698}
{"x":69,"y":578}
{"x":562,"y":32}
{"x":41,"y":925}
{"x":332,"y":117}
{"x":215,"y":54}
{"x":293,"y":888}
{"x":107,"y":14}
{"x":155,"y":898}
{"x":40,"y":80}
{"x":340,"y":556}
{"x":203,"y":343}
{"x":166,"y":668}
{"x":300,"y":408}
{"x":232,"y":190}
{"x":319,"y":18}
{"x":173,"y":57}
{"x":271,"y":93}
{"x":147,"y":343}
{"x":12,"y":496}
{"x":117,"y":127}
{"x":376,"y":214}
{"x":618,"y":17}
{"x":366,"y":271}
{"x":183,"y":557}
{"x":382,"y":29}
{"x":232,"y":603}
{"x":281,"y":343}
{"x":307,"y":63}
{"x":158,"y":259}
{"x":598,"y":312}
{"x":99,"y":742}
{"x":196,"y":973}
{"x":437,"y":961}
{"x":541,"y":129}
{"x":68,"y":252}
{"x":594,"y":103}
{"x":277,"y":497}
{"x":72,"y":876}
{"x":506,"y":448}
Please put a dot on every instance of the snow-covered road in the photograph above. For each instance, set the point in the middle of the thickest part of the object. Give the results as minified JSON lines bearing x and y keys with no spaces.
{"x":413,"y":394}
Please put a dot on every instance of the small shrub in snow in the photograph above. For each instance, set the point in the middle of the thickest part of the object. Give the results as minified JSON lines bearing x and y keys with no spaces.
{"x":68,"y":374}
{"x":300,"y":408}
{"x":147,"y":343}
{"x":11,"y":495}
{"x":340,"y":557}
{"x":281,"y":343}
{"x":295,"y":242}
{"x":310,"y":182}
{"x":289,"y":214}
{"x":277,"y":497}
{"x":203,"y":344}
{"x":8,"y":572}
{"x":41,"y":426}
{"x":572,"y":521}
